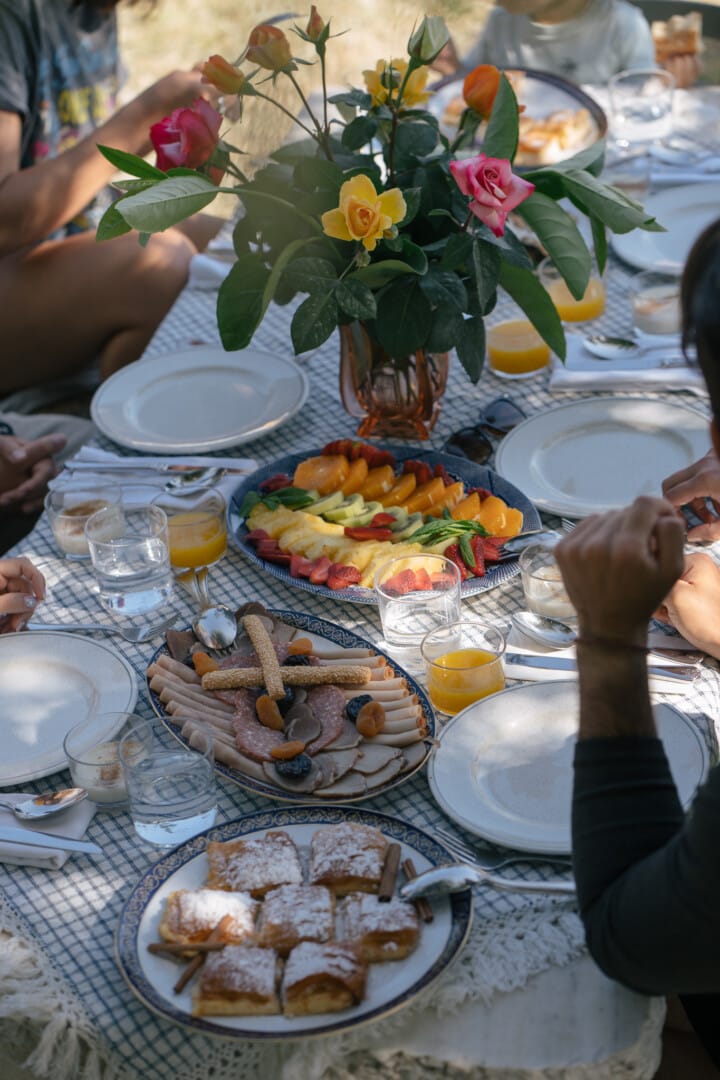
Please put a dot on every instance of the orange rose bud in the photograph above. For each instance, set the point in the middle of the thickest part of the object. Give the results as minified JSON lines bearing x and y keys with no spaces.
{"x":269,"y":48}
{"x":220,"y":73}
{"x":315,"y":24}
{"x":480,"y":88}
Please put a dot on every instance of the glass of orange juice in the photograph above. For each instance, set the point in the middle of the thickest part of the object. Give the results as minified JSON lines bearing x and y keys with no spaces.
{"x":590,"y":306}
{"x":515,"y":350}
{"x":463,"y":663}
{"x":197,"y":535}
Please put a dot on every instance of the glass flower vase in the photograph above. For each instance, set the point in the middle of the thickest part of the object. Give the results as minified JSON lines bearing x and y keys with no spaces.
{"x":395,"y":397}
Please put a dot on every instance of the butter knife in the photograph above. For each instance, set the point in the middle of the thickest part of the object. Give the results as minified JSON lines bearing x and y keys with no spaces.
{"x":674,"y":672}
{"x":134,"y":464}
{"x":9,"y":835}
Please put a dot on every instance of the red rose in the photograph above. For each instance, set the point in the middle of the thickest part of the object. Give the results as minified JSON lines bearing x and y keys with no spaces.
{"x":188,"y":137}
{"x":493,"y":187}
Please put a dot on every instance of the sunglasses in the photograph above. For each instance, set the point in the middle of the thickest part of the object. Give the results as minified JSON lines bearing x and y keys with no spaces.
{"x":497,"y":418}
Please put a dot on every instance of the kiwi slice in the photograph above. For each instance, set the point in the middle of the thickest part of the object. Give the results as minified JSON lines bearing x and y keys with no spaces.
{"x":347,"y":508}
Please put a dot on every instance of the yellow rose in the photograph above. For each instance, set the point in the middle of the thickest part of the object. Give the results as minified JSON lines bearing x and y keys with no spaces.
{"x":414,"y":93}
{"x":363,"y":214}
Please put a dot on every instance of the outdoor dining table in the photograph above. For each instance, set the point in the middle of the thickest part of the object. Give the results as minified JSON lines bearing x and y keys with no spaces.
{"x":523,"y":1000}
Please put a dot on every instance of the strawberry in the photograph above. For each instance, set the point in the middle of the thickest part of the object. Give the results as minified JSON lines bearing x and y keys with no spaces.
{"x":300,"y":566}
{"x":442,"y":580}
{"x":401,"y":583}
{"x":256,"y":535}
{"x":319,"y":572}
{"x":453,"y":553}
{"x":476,"y":544}
{"x":423,"y":472}
{"x":440,"y":470}
{"x":491,"y":547}
{"x":366,"y":532}
{"x":267,"y":547}
{"x":274,"y":483}
{"x":282,"y":558}
{"x":482,"y":492}
{"x":422,"y":579}
{"x":376,"y":457}
{"x":383,"y":521}
{"x":341,"y":576}
{"x":339,"y":446}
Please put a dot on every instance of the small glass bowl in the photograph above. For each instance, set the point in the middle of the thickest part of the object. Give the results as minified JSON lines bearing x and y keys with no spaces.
{"x":69,"y":508}
{"x":542,"y":583}
{"x":655,"y":301}
{"x":92,"y":750}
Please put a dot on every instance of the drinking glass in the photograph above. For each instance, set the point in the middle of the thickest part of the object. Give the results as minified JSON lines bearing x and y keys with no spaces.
{"x":415,"y":594}
{"x":655,"y":301}
{"x":92,"y":750}
{"x":627,"y":168}
{"x":641,"y":106}
{"x":542,"y":583}
{"x":197,"y":537}
{"x":129,"y":553}
{"x":171,"y":787}
{"x":515,"y":350}
{"x":463,"y":663}
{"x":590,"y":305}
{"x":68,"y":509}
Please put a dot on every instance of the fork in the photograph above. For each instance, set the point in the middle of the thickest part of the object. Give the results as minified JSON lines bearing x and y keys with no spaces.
{"x":497,"y":862}
{"x":567,"y":524}
{"x":137,"y":634}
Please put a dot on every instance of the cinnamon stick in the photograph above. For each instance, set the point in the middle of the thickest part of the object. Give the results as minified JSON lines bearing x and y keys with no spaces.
{"x":389,"y":874}
{"x":199,"y":959}
{"x":176,"y":948}
{"x":421,"y":906}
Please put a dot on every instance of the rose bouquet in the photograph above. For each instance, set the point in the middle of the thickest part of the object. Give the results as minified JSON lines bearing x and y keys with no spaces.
{"x":374,"y":217}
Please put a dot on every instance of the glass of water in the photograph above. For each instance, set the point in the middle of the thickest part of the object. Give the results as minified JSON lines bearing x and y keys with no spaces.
{"x":641,"y":106}
{"x":171,"y":787}
{"x":129,"y":553}
{"x":415,"y":594}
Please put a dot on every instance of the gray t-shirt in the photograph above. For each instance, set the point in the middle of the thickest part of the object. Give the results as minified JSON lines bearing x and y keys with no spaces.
{"x":607,"y":37}
{"x":59,"y":70}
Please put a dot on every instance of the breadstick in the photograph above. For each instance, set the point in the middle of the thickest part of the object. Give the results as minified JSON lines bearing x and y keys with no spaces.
{"x":265,"y":652}
{"x":232,"y":678}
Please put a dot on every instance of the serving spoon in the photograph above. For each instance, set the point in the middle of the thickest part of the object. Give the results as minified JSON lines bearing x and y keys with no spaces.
{"x":42,"y":806}
{"x":215,"y":625}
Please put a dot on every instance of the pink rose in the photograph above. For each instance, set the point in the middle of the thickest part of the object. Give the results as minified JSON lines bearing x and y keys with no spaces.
{"x":493,"y":187}
{"x":188,"y":137}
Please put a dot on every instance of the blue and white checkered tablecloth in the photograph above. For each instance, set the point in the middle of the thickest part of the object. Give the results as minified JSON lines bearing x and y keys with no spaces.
{"x":71,"y":914}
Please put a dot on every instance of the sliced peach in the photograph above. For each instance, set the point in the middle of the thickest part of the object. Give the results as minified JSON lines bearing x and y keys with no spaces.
{"x":378,"y":483}
{"x":401,"y":490}
{"x":323,"y":474}
{"x":468,"y":508}
{"x":356,"y":477}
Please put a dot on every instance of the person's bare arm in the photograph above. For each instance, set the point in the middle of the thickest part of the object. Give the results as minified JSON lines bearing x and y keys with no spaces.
{"x":691,"y":487}
{"x":38,"y":200}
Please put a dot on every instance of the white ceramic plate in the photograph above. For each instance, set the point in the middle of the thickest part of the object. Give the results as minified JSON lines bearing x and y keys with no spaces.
{"x":199,"y":400}
{"x":599,"y":454}
{"x":389,"y":986}
{"x":503,"y":769}
{"x":48,"y":683}
{"x":684,"y":211}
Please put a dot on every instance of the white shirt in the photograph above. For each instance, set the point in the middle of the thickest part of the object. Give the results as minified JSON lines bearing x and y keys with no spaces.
{"x":607,"y":37}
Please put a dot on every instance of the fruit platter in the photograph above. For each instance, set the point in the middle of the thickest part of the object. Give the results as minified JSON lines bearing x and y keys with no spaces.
{"x":326,"y":520}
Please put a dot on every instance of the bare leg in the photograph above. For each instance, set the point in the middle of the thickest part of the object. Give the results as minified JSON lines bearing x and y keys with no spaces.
{"x":66,"y":302}
{"x":200,"y":229}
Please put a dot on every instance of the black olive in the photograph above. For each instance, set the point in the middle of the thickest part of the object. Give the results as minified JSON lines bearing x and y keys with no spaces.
{"x":297,"y":766}
{"x":354,"y":705}
{"x":297,"y":661}
{"x":287,"y":700}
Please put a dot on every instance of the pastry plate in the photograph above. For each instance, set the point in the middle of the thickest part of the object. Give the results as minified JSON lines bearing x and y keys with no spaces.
{"x":319,"y":631}
{"x":50,"y":681}
{"x":198,"y":400}
{"x":390,"y":987}
{"x":683,"y":215}
{"x":503,"y":766}
{"x":573,"y":459}
{"x":458,"y":468}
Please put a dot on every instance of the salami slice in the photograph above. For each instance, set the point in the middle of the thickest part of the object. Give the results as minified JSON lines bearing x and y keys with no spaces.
{"x":251,"y":738}
{"x":328,"y":705}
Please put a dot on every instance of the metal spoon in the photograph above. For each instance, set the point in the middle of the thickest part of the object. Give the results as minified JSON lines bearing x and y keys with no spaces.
{"x":543,"y":629}
{"x":216,"y":627}
{"x":615,"y":348}
{"x":192,"y":480}
{"x":449,"y":879}
{"x":44,"y":805}
{"x":512,"y":548}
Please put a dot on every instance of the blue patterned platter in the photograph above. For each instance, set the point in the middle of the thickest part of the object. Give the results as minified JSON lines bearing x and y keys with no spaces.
{"x":390,"y":986}
{"x":345,"y":639}
{"x":458,"y":468}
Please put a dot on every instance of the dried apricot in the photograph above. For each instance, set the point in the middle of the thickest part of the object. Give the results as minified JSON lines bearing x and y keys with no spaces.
{"x":301,"y":646}
{"x":287,"y":750}
{"x":204,"y":663}
{"x":268,"y":713}
{"x":371,"y":719}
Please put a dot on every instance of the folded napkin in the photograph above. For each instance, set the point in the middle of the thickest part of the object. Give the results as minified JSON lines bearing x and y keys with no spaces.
{"x":583,"y":371}
{"x":72,"y":823}
{"x":141,"y":485}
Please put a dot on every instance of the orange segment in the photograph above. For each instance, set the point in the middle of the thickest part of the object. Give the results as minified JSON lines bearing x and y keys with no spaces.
{"x":492,"y":515}
{"x":401,"y":490}
{"x":356,"y":476}
{"x":513,"y":522}
{"x":451,"y":497}
{"x":378,"y":483}
{"x":323,"y":474}
{"x":468,"y":508}
{"x":425,"y":496}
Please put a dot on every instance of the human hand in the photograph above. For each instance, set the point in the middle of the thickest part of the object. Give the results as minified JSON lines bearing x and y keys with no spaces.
{"x":693,"y":604}
{"x":684,"y":68}
{"x":618,"y":567}
{"x":21,"y":587}
{"x":177,"y":90}
{"x":691,"y":487}
{"x":25,"y":468}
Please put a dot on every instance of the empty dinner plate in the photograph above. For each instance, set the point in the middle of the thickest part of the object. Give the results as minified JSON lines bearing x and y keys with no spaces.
{"x":599,"y":454}
{"x":683,"y":212}
{"x":503,"y":767}
{"x":198,"y":400}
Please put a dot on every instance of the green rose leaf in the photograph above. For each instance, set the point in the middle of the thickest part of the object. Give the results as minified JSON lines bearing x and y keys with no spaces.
{"x":131,"y":163}
{"x":561,"y":238}
{"x":311,"y":275}
{"x":315,"y":173}
{"x":414,"y":256}
{"x":591,"y":159}
{"x":356,"y":299}
{"x":404,"y":317}
{"x":240,"y":301}
{"x":444,"y":287}
{"x":413,"y":141}
{"x":458,"y":251}
{"x":486,"y":268}
{"x":359,"y":132}
{"x":445,"y":330}
{"x":314,"y":321}
{"x":531,"y":297}
{"x":599,"y":234}
{"x":501,"y":136}
{"x":470,"y":347}
{"x":412,"y":205}
{"x":360,"y":99}
{"x":380,"y":273}
{"x":167,"y":203}
{"x":111,"y":224}
{"x":612,"y":207}
{"x":130,"y":187}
